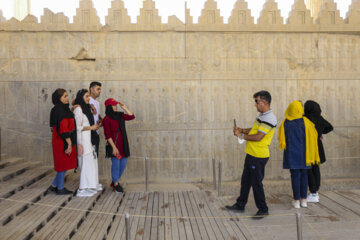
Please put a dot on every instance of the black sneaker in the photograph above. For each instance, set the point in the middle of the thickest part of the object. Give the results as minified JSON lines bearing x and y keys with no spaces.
{"x":235,"y":207}
{"x":118,"y":188}
{"x":52,"y":189}
{"x":260,"y":215}
{"x":64,"y":191}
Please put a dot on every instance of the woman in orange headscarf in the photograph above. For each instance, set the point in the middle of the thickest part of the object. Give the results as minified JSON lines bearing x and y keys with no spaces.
{"x":298,"y":137}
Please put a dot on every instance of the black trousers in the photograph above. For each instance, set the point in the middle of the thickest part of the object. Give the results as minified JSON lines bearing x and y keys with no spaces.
{"x":252,"y":176}
{"x":314,"y":178}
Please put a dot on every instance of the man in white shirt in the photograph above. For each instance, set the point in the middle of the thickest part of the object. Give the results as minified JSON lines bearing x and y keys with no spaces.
{"x":95,"y":91}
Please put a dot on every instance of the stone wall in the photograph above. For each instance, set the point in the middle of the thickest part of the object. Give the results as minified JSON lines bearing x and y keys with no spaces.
{"x":184,"y":82}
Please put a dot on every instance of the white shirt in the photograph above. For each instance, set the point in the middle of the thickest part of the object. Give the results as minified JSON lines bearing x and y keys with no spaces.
{"x":97,"y":107}
{"x":83,"y":137}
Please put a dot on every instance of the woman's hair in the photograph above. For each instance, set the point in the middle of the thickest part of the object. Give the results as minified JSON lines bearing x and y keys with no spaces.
{"x":57,"y":95}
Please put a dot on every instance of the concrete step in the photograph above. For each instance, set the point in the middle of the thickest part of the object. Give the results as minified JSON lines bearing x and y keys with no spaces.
{"x":10,"y":161}
{"x":19,"y":182}
{"x":11,"y":171}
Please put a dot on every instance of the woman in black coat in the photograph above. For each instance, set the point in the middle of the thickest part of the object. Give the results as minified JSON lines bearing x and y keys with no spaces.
{"x":313,"y":113}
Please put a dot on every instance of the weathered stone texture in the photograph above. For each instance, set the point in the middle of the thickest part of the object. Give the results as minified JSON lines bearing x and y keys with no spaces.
{"x":185,"y":87}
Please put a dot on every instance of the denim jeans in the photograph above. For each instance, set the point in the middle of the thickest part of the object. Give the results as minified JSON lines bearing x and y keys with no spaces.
{"x":117,"y":168}
{"x":299,"y":183}
{"x":59,"y":180}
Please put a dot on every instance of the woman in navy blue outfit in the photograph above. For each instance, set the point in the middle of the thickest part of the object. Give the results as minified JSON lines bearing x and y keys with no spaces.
{"x":297,"y":134}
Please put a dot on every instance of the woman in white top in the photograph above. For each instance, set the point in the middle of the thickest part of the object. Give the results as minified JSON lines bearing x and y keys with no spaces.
{"x":85,"y":127}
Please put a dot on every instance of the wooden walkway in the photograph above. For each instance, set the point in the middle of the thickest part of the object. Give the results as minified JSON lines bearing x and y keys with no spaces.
{"x":29,"y":212}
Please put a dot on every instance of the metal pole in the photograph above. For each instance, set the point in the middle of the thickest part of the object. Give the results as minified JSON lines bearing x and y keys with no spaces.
{"x":219,"y":184}
{"x":0,"y":144}
{"x":214,"y":173}
{"x":299,"y":226}
{"x":146,"y":174}
{"x":127,"y":226}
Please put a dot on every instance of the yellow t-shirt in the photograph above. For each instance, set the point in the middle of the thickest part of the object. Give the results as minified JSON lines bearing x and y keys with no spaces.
{"x":266,"y":123}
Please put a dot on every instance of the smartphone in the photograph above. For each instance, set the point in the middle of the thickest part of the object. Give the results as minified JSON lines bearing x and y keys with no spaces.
{"x":234,"y":122}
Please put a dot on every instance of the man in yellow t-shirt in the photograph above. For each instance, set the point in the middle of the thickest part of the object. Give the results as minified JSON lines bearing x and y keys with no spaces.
{"x":258,"y":139}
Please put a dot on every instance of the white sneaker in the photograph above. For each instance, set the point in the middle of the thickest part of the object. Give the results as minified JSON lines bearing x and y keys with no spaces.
{"x":296,"y":203}
{"x":303,"y":203}
{"x":84,"y":193}
{"x":313,"y":198}
{"x":92,"y":190}
{"x":99,"y":187}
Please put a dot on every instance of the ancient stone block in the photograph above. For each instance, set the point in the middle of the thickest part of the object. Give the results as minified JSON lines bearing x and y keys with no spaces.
{"x":241,"y":14}
{"x":210,"y":15}
{"x":53,"y":22}
{"x":149,"y":17}
{"x":118,"y":17}
{"x":329,"y":14}
{"x":299,"y":14}
{"x":353,"y":15}
{"x":270,"y":14}
{"x":86,"y":18}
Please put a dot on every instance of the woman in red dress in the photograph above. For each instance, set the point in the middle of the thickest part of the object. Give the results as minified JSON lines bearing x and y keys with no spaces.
{"x":62,"y":124}
{"x":115,"y":134}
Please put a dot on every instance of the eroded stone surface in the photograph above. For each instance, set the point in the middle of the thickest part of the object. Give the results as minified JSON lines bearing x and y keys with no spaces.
{"x":185,"y":87}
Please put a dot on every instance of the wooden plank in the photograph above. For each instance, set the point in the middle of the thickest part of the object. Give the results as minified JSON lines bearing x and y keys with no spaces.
{"x":166,"y":208}
{"x":58,"y":224}
{"x":180,"y":221}
{"x":68,"y":220}
{"x":33,"y":217}
{"x":231,"y":227}
{"x":135,"y":220}
{"x":340,"y":211}
{"x":9,"y":209}
{"x":155,"y":220}
{"x":10,"y":161}
{"x":184,"y":212}
{"x":196,"y":223}
{"x":199,"y":212}
{"x":102,"y":222}
{"x":343,"y":201}
{"x":210,"y":211}
{"x":131,"y":210}
{"x":205,"y":213}
{"x":148,"y":220}
{"x":161,"y":226}
{"x":94,"y":222}
{"x":9,"y":172}
{"x":174,"y":222}
{"x":36,"y":215}
{"x":144,"y":206}
{"x":119,"y":223}
{"x":21,"y":181}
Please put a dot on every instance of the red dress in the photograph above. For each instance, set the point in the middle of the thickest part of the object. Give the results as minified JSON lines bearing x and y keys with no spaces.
{"x":62,"y":161}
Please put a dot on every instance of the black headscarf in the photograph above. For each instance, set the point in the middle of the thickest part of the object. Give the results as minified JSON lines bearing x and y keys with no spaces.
{"x":312,"y":109}
{"x":86,"y":109}
{"x":313,"y":113}
{"x":118,"y":116}
{"x":59,"y":111}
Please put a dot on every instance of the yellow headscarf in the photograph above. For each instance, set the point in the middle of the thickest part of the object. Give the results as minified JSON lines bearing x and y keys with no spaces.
{"x":295,"y":111}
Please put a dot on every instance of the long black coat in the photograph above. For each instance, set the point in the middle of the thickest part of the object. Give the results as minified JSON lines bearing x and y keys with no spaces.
{"x":313,"y":113}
